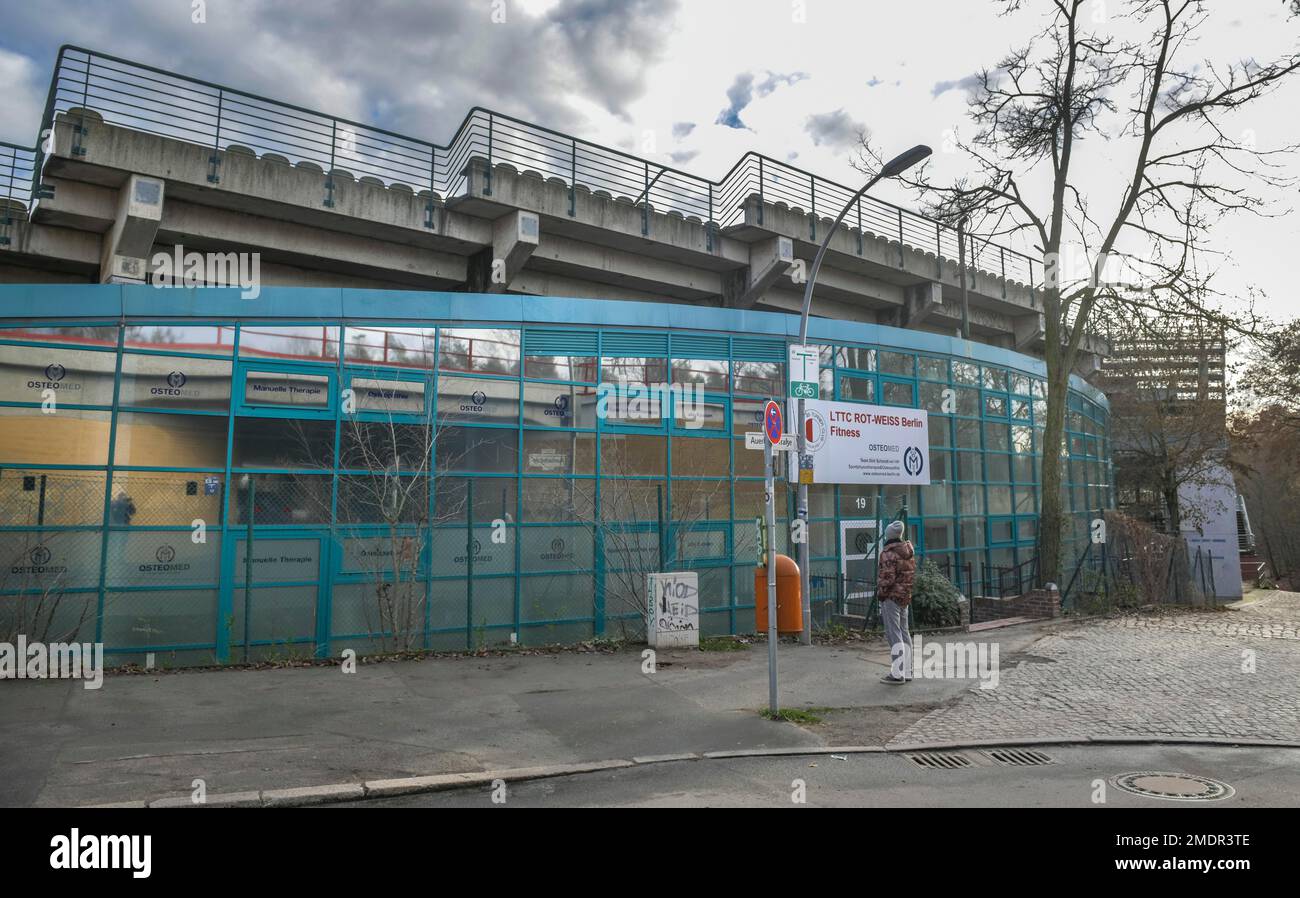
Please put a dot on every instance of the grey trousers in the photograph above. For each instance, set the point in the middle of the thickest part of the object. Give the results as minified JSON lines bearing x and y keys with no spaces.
{"x":894,"y":618}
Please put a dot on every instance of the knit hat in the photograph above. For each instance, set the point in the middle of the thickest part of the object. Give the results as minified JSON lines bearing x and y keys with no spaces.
{"x":894,"y":530}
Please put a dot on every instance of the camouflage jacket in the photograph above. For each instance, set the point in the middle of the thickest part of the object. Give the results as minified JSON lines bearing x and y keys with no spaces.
{"x":897,"y":571}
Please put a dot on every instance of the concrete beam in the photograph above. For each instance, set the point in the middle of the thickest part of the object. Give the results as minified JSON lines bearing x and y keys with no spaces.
{"x":768,"y":260}
{"x":573,"y":258}
{"x":515,"y":236}
{"x":126,"y":246}
{"x":1027,"y":330}
{"x":919,"y":300}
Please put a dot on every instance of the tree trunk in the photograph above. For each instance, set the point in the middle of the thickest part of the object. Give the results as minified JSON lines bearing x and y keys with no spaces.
{"x":1170,"y":491}
{"x":1052,"y":518}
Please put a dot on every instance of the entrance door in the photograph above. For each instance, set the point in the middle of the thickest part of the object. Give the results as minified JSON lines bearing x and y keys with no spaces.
{"x":857,"y":562}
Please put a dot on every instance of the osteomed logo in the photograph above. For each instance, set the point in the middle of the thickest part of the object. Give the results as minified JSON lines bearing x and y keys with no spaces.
{"x":176,"y":380}
{"x":55,"y":372}
{"x":40,"y":556}
{"x":165,"y":554}
{"x":913,"y":461}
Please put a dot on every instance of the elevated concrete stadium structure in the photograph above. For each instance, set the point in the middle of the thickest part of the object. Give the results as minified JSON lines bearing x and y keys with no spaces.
{"x":135,"y":160}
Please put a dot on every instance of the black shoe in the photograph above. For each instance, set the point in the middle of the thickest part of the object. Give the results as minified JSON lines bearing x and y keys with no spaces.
{"x":892,"y":680}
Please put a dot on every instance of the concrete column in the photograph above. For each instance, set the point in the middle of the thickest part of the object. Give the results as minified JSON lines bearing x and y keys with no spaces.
{"x":128,"y":242}
{"x":514,"y":237}
{"x":768,"y":260}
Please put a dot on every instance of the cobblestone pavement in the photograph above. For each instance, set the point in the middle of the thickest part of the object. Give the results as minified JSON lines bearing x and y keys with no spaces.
{"x":1224,"y":674}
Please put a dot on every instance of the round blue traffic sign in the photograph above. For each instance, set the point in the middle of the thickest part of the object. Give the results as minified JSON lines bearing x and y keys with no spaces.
{"x":772,"y":423}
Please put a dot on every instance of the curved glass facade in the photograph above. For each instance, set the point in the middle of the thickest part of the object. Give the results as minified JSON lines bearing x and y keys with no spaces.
{"x":140,"y":452}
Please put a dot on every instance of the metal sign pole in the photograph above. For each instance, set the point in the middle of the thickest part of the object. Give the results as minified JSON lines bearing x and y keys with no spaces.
{"x":769,"y":458}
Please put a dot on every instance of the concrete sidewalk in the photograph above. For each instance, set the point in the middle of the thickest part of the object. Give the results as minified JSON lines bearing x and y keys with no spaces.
{"x":150,"y":736}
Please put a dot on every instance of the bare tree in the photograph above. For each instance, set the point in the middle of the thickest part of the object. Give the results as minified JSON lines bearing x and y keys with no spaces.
{"x":1126,"y":94}
{"x":641,"y":532}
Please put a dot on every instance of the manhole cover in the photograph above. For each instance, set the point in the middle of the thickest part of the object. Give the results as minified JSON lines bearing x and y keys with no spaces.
{"x":939,"y":760}
{"x":1172,"y":786}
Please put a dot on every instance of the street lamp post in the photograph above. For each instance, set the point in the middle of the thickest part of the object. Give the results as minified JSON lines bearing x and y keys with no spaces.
{"x":892,"y":168}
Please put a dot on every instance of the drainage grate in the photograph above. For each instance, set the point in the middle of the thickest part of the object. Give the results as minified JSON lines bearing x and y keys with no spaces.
{"x":939,"y":760}
{"x":1172,"y":786}
{"x":1019,"y":757}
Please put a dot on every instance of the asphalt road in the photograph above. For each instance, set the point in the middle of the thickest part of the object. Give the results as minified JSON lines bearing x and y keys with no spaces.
{"x":1262,"y":777}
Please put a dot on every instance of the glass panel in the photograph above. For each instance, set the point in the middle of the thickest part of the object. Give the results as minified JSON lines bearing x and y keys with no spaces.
{"x":279,"y":442}
{"x":75,"y":377}
{"x":30,"y":497}
{"x":404,"y":347}
{"x":479,"y":400}
{"x":490,"y":450}
{"x":708,"y":373}
{"x":166,"y":498}
{"x":855,"y":357}
{"x":389,"y":397}
{"x":931,"y":368}
{"x":759,"y":378}
{"x":693,"y":413}
{"x":632,"y":454}
{"x":559,"y":453}
{"x":104,"y":337}
{"x":636,"y":370}
{"x":995,"y":379}
{"x":936,"y":499}
{"x":159,"y":381}
{"x":701,"y":500}
{"x":696,"y":457}
{"x":153,"y":618}
{"x":281,"y":498}
{"x":489,"y":351}
{"x":559,"y":499}
{"x":896,"y":363}
{"x":494,"y":499}
{"x":896,"y":393}
{"x":385,"y":446}
{"x":559,"y":405}
{"x":280,"y":388}
{"x":381,"y":499}
{"x":70,"y":437}
{"x":965,"y":373}
{"x":207,"y":339}
{"x":161,"y":557}
{"x":857,"y":389}
{"x":561,"y":367}
{"x":555,"y":549}
{"x":313,"y":342}
{"x":938,"y":535}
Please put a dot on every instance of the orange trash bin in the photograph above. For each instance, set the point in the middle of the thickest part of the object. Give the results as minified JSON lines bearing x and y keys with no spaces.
{"x":789,"y":609}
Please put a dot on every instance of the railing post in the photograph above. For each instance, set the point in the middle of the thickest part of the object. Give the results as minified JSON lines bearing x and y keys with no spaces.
{"x":645,"y":201}
{"x":938,"y":251}
{"x":433,"y":177}
{"x":80,"y":128}
{"x":329,"y":175}
{"x":760,"y":191}
{"x":214,"y":161}
{"x":812,"y":215}
{"x":708,"y":225}
{"x":487,"y":180}
{"x":573,"y":177}
{"x":859,"y":204}
{"x":900,"y":238}
{"x":1002,"y":257}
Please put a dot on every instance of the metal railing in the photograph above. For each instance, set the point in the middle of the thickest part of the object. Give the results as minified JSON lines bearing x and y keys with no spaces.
{"x":145,"y":98}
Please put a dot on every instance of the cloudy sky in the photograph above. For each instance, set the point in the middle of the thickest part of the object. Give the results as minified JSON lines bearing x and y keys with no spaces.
{"x":692,"y":83}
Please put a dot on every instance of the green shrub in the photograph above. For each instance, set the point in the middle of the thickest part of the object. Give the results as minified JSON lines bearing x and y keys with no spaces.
{"x":934,"y":598}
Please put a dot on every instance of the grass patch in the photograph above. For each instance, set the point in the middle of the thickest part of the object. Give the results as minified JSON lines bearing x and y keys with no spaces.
{"x":792,"y":715}
{"x":721,"y":644}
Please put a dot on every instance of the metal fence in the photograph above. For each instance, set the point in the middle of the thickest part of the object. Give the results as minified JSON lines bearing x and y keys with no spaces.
{"x":156,"y":101}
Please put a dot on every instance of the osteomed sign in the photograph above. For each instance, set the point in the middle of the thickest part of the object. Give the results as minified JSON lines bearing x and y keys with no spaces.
{"x":867,"y":444}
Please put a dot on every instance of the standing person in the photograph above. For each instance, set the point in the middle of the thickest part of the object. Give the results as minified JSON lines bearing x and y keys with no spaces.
{"x":894,"y":592}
